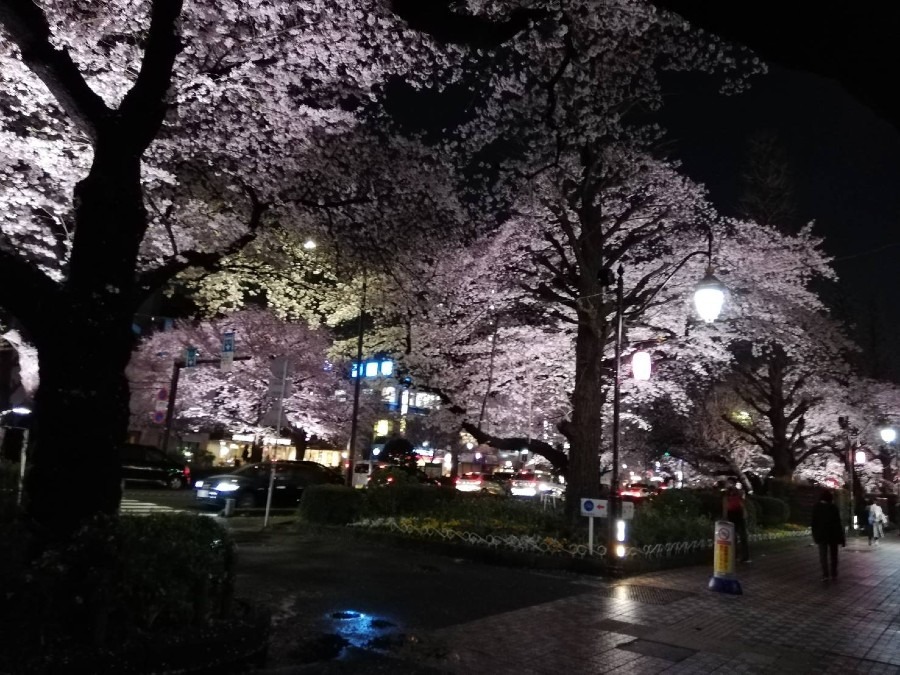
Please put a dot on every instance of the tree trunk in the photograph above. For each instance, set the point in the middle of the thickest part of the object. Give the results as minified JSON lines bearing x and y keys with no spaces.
{"x":84,"y":339}
{"x":81,"y":417}
{"x":782,"y":463}
{"x":586,"y":428}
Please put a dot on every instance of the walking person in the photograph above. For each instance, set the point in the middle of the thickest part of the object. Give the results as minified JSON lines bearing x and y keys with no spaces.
{"x":828,"y":533}
{"x":735,"y":510}
{"x":876,"y":520}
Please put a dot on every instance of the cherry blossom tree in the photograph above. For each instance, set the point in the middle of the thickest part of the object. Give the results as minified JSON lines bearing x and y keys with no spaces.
{"x":239,"y":400}
{"x":142,"y":138}
{"x":780,"y":386}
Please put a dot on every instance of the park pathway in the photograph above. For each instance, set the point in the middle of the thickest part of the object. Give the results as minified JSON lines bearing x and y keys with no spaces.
{"x":787,"y":621}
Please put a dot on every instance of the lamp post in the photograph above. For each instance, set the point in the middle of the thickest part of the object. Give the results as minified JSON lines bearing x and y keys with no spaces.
{"x":851,"y":433}
{"x":709,"y":298}
{"x":23,"y":451}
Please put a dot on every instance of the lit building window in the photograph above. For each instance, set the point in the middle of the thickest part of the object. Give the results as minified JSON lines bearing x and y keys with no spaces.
{"x":373,"y":368}
{"x":389,"y":394}
{"x":423,"y":400}
{"x":404,"y":401}
{"x":382,"y":427}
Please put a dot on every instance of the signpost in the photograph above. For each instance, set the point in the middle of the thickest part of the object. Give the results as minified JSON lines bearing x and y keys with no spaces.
{"x":599,"y":508}
{"x":162,"y":403}
{"x":723,"y":579}
{"x":593,"y":508}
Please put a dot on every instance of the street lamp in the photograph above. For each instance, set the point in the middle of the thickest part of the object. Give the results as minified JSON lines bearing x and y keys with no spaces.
{"x":888,"y":435}
{"x":641,"y":365}
{"x":709,"y":298}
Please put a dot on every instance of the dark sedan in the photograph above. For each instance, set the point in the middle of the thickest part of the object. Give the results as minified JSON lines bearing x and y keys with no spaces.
{"x":148,"y":465}
{"x":249,"y":485}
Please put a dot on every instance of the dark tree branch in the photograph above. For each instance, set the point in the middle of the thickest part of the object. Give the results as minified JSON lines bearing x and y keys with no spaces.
{"x":153,"y":279}
{"x":144,"y":106}
{"x":26,"y":25}
{"x":557,"y":458}
{"x":25,"y":291}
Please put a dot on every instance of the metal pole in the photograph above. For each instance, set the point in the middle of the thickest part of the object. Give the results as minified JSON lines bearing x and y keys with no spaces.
{"x":170,"y":407}
{"x":270,"y":491}
{"x":281,"y":401}
{"x":22,"y":459}
{"x":852,"y":483}
{"x":354,"y":424}
{"x":613,"y":516}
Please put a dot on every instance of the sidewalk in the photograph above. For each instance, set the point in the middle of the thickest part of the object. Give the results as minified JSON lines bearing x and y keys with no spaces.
{"x":787,"y":621}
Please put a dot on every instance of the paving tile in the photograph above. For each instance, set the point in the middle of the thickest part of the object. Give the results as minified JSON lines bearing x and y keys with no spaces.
{"x":786,"y":621}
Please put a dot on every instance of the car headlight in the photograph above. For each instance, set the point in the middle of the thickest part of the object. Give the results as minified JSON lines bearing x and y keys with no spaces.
{"x":198,"y":483}
{"x":227,"y":487}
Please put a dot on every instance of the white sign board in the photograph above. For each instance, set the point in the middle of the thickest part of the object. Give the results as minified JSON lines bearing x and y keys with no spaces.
{"x":594,"y":508}
{"x":599,"y":508}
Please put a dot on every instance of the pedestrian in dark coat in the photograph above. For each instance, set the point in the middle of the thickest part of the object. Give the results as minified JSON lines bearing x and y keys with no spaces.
{"x":828,"y":533}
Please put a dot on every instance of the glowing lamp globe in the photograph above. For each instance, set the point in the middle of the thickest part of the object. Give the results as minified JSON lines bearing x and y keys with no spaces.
{"x":861,"y":457}
{"x":709,"y":297}
{"x":641,"y":365}
{"x":888,"y":435}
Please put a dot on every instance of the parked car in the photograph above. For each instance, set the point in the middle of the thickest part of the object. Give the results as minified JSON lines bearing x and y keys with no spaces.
{"x":396,"y":474}
{"x":148,"y":465}
{"x":535,"y":483}
{"x":249,"y":485}
{"x":361,"y":472}
{"x":638,"y":491}
{"x":473,"y":481}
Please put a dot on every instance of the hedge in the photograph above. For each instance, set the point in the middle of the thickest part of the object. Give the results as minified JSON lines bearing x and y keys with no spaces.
{"x":770,"y":511}
{"x":406,"y":498}
{"x":117,"y":582}
{"x":331,"y":504}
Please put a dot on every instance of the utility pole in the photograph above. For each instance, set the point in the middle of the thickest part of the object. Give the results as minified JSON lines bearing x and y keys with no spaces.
{"x":354,"y":424}
{"x":177,"y":365}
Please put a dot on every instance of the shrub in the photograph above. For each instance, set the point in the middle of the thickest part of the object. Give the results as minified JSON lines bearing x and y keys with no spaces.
{"x":405,"y":498}
{"x":331,"y":504}
{"x":652,"y":526}
{"x":486,"y":515}
{"x":769,"y":511}
{"x":115,"y":580}
{"x":678,"y":503}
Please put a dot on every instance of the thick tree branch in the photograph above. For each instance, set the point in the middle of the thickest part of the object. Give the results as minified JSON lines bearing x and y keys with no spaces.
{"x":153,"y":279}
{"x":25,"y":291}
{"x":557,"y":458}
{"x":26,"y":25}
{"x":145,"y":105}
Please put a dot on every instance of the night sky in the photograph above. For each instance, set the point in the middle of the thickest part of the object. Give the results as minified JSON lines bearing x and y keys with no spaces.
{"x":846,"y":167}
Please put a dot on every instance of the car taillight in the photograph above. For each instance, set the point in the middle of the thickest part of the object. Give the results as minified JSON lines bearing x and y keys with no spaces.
{"x":187,"y":472}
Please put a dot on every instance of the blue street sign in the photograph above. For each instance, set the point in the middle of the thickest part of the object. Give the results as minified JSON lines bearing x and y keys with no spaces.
{"x":190,"y":357}
{"x":226,"y":358}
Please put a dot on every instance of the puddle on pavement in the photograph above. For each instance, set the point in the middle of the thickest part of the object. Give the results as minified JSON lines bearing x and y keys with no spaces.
{"x":360,"y":629}
{"x":347,"y":630}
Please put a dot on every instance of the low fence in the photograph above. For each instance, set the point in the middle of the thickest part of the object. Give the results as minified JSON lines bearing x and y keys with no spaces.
{"x":549,"y":546}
